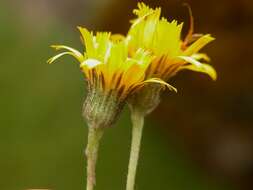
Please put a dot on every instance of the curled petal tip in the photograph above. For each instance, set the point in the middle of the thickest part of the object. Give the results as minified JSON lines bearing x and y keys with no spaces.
{"x":79,"y":27}
{"x":49,"y":61}
{"x":211,"y":37}
{"x":214,"y":75}
{"x":162,"y":83}
{"x":208,"y":37}
{"x":55,"y":47}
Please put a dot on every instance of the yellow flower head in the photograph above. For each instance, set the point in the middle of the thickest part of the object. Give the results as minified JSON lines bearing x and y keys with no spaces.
{"x":162,"y":38}
{"x":106,"y":64}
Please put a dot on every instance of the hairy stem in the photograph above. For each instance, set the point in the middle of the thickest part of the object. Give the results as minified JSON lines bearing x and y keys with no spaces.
{"x":138,"y":123}
{"x":94,"y":137}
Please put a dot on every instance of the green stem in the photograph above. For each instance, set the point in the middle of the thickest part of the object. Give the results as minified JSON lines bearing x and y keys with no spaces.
{"x":94,"y":137}
{"x":138,"y":123}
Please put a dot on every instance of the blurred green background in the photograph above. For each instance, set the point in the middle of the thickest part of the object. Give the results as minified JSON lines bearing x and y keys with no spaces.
{"x":198,"y":139}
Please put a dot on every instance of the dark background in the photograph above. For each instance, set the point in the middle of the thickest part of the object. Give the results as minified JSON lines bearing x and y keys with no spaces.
{"x":200,"y":138}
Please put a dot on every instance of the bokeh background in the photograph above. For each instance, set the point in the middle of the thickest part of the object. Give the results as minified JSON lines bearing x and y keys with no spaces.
{"x":198,"y":139}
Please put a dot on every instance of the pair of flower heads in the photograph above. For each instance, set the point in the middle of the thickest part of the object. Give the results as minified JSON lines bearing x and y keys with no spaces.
{"x":152,"y":52}
{"x":135,"y":67}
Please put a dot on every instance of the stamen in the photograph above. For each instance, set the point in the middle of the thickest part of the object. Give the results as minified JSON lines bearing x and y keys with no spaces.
{"x":191,"y":29}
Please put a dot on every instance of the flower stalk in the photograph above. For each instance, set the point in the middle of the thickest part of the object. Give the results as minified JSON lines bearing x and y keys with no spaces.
{"x":147,"y":100}
{"x":94,"y":136}
{"x":138,"y":123}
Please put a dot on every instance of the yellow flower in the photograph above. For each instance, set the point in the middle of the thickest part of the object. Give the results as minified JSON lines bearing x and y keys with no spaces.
{"x":163,"y":39}
{"x":106,"y":64}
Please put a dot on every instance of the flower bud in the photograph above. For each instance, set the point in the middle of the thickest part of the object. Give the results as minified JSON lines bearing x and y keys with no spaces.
{"x":101,"y":109}
{"x":146,"y":99}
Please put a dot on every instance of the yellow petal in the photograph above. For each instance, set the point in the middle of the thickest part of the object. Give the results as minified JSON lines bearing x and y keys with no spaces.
{"x":51,"y":60}
{"x":88,"y":40}
{"x":198,"y":67}
{"x":160,"y":81}
{"x":117,"y":37}
{"x":142,"y":57}
{"x":190,"y":60}
{"x":103,"y":46}
{"x":142,"y":12}
{"x":90,"y":63}
{"x":199,"y":56}
{"x":205,"y":68}
{"x":133,"y":75}
{"x":197,"y":45}
{"x":74,"y":52}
